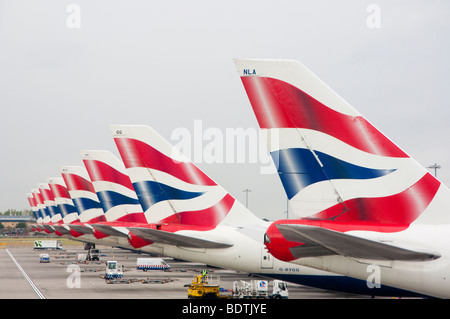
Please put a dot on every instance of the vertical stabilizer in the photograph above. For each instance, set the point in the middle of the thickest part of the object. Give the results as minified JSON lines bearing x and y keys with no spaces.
{"x":63,"y":199}
{"x":83,"y":194}
{"x":171,"y":189}
{"x":333,"y":163}
{"x":113,"y":187}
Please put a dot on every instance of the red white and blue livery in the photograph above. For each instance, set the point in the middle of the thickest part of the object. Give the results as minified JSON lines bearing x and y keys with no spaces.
{"x":360,"y":200}
{"x":84,"y":198}
{"x":66,"y":207}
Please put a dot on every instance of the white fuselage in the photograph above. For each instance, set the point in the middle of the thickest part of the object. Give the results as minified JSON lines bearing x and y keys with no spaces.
{"x":430,"y":278}
{"x":249,"y":254}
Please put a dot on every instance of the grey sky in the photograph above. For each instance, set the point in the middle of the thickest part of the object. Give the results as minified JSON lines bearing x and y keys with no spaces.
{"x":169,"y":63}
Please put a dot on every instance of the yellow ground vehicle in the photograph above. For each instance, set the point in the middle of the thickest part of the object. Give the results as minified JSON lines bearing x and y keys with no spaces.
{"x":202,"y":288}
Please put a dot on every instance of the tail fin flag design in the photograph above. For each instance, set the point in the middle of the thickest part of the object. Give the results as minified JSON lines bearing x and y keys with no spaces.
{"x":35,"y":210}
{"x":40,"y":204}
{"x":43,"y":212}
{"x":49,"y":201}
{"x":113,"y":187}
{"x":33,"y":206}
{"x":83,"y":194}
{"x":171,"y":189}
{"x":63,"y":199}
{"x":333,"y":163}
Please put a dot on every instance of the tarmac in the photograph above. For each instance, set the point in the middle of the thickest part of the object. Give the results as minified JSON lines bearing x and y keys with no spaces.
{"x":22,"y":276}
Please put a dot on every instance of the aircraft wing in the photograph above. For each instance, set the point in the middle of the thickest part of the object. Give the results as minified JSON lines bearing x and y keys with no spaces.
{"x":163,"y":237}
{"x":63,"y":229}
{"x":81,"y":228}
{"x":320,"y":241}
{"x":49,"y":227}
{"x":109,"y":230}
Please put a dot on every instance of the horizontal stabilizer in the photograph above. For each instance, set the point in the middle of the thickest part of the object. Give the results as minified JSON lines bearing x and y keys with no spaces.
{"x":322,"y":242}
{"x":163,"y":237}
{"x":109,"y":230}
{"x":83,"y":229}
{"x":63,"y":229}
{"x":50,"y":228}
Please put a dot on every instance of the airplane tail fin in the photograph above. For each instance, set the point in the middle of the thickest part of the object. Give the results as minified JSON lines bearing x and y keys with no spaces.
{"x":83,"y":194}
{"x":43,"y":211}
{"x":63,"y":200}
{"x":171,"y":189}
{"x":113,"y":187}
{"x":39,"y":202}
{"x":49,"y":201}
{"x":332,"y":162}
{"x":34,"y":209}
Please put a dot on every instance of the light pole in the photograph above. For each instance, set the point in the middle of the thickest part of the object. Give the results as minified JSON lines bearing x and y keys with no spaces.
{"x":287,"y":208}
{"x":436,"y":167}
{"x":246,"y":196}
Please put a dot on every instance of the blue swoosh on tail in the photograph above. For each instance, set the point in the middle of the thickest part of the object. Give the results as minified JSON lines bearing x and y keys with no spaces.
{"x":298,"y":168}
{"x":67,"y":209}
{"x":83,"y":204}
{"x":150,"y":193}
{"x":109,"y":199}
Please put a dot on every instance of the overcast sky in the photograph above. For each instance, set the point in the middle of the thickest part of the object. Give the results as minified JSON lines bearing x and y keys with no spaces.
{"x":66,"y":75}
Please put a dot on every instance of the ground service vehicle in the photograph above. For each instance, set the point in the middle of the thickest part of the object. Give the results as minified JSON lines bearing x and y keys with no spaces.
{"x":259,"y":289}
{"x":203,"y":288}
{"x":81,"y":258}
{"x":93,"y":254}
{"x":47,"y":244}
{"x":44,"y":258}
{"x":151,"y":264}
{"x":113,"y":271}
